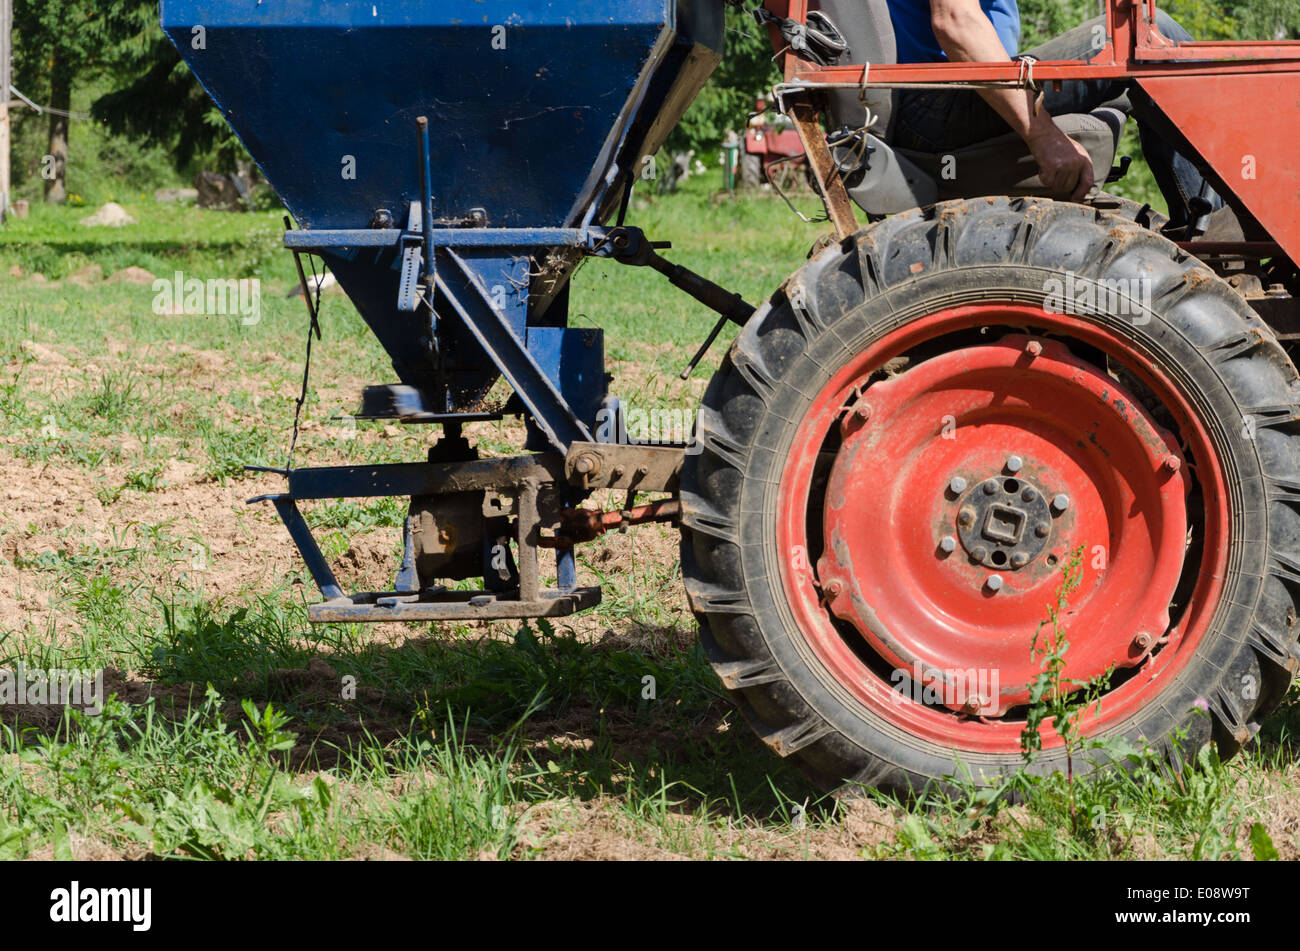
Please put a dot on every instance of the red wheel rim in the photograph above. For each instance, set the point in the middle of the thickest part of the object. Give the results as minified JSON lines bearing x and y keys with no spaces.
{"x":891,"y":585}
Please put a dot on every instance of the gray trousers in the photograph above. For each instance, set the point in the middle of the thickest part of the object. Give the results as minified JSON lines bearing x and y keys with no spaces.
{"x":930,"y":120}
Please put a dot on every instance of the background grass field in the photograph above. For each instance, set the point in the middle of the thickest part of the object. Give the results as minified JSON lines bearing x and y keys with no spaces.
{"x":125,"y":544}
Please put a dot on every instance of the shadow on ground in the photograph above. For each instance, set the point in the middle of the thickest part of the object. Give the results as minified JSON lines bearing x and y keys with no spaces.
{"x":581,"y":719}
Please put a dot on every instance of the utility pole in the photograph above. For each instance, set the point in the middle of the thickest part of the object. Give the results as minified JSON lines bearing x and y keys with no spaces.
{"x":6,"y":76}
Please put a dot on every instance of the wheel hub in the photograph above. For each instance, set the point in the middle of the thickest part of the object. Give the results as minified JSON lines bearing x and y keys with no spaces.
{"x":1004,"y":522}
{"x":964,"y":485}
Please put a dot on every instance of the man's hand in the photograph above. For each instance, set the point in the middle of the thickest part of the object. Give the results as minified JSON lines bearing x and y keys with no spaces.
{"x":966,"y":34}
{"x":1063,"y":164}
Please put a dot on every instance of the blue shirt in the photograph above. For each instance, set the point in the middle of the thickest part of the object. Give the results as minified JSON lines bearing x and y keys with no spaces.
{"x":915,"y":36}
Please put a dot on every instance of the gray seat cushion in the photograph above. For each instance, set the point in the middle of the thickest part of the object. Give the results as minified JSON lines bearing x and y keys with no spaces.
{"x":869,"y":32}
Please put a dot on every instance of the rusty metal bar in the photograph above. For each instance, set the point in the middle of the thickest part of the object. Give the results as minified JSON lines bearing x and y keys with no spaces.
{"x":528,"y":522}
{"x":835,"y":196}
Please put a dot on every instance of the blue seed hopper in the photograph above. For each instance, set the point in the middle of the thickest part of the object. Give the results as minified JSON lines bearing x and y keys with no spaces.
{"x":452,"y":161}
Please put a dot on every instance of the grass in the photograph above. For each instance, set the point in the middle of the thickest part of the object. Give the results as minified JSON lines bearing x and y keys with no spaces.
{"x":241,"y":731}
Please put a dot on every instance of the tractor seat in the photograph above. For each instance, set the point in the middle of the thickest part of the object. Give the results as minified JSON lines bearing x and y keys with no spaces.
{"x":896,"y":180}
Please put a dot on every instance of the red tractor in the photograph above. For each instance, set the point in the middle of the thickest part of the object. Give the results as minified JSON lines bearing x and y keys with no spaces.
{"x":976,"y":425}
{"x":772,"y":152}
{"x":926,"y":427}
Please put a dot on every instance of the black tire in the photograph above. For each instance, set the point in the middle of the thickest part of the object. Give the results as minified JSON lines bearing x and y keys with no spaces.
{"x":1223,"y":356}
{"x":751,"y":170}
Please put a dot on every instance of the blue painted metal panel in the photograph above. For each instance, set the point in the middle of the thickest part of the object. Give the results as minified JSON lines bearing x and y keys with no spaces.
{"x":520,"y":131}
{"x":575,"y":357}
{"x":535,"y":107}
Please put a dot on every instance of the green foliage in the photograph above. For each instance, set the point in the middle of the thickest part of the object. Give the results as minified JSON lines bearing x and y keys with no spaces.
{"x":1041,"y":20}
{"x":747,"y":72}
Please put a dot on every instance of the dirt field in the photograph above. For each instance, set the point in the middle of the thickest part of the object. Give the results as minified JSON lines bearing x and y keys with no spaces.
{"x":126,"y":544}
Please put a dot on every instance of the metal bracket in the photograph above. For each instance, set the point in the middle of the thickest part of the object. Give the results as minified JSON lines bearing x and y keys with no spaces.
{"x":412,"y":245}
{"x":522,"y":478}
{"x":552,"y":412}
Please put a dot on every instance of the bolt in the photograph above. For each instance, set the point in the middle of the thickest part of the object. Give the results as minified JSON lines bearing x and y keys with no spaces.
{"x":863,"y":411}
{"x":1014,"y":464}
{"x":980,"y":553}
{"x":957,"y":485}
{"x":1171,"y":463}
{"x":948,"y":544}
{"x":617,"y":473}
{"x":973,"y":706}
{"x":833,"y":589}
{"x":1060,"y":503}
{"x":990,"y":488}
{"x":642,"y":470}
{"x":1019,"y":560}
{"x":994,"y":583}
{"x":1041,"y":529}
{"x":1142,"y":641}
{"x":1029,"y":495}
{"x":966,"y":517}
{"x":586,"y":463}
{"x":1034,"y":348}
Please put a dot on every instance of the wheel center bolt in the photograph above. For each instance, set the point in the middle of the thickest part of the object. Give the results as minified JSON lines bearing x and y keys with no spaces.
{"x":1003,"y":522}
{"x":957,"y":486}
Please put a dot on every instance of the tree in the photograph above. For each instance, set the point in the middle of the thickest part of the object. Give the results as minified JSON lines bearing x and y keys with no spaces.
{"x":158,"y":97}
{"x":55,"y":45}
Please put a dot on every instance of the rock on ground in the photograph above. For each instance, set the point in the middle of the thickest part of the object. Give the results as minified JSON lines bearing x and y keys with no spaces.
{"x":132,"y":275}
{"x":84,"y":277}
{"x":110,"y":215}
{"x":167,"y":195}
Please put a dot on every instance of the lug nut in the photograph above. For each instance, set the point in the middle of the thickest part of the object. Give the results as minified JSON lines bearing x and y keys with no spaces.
{"x":957,"y":485}
{"x":1019,"y":560}
{"x":1171,"y":463}
{"x":833,"y":589}
{"x":966,"y":517}
{"x":1034,"y":348}
{"x":1041,"y":529}
{"x":1060,"y":503}
{"x":948,"y":544}
{"x":863,"y":411}
{"x":1015,"y":464}
{"x":1142,"y":641}
{"x":994,"y":583}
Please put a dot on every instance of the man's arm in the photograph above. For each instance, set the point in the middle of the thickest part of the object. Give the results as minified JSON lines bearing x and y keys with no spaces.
{"x":967,"y":35}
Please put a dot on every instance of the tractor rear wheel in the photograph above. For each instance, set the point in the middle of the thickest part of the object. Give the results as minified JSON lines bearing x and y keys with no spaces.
{"x":925,"y":426}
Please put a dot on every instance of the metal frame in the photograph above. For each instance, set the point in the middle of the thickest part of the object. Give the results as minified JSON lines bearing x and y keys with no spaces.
{"x":1261,"y":80}
{"x":533,"y":482}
